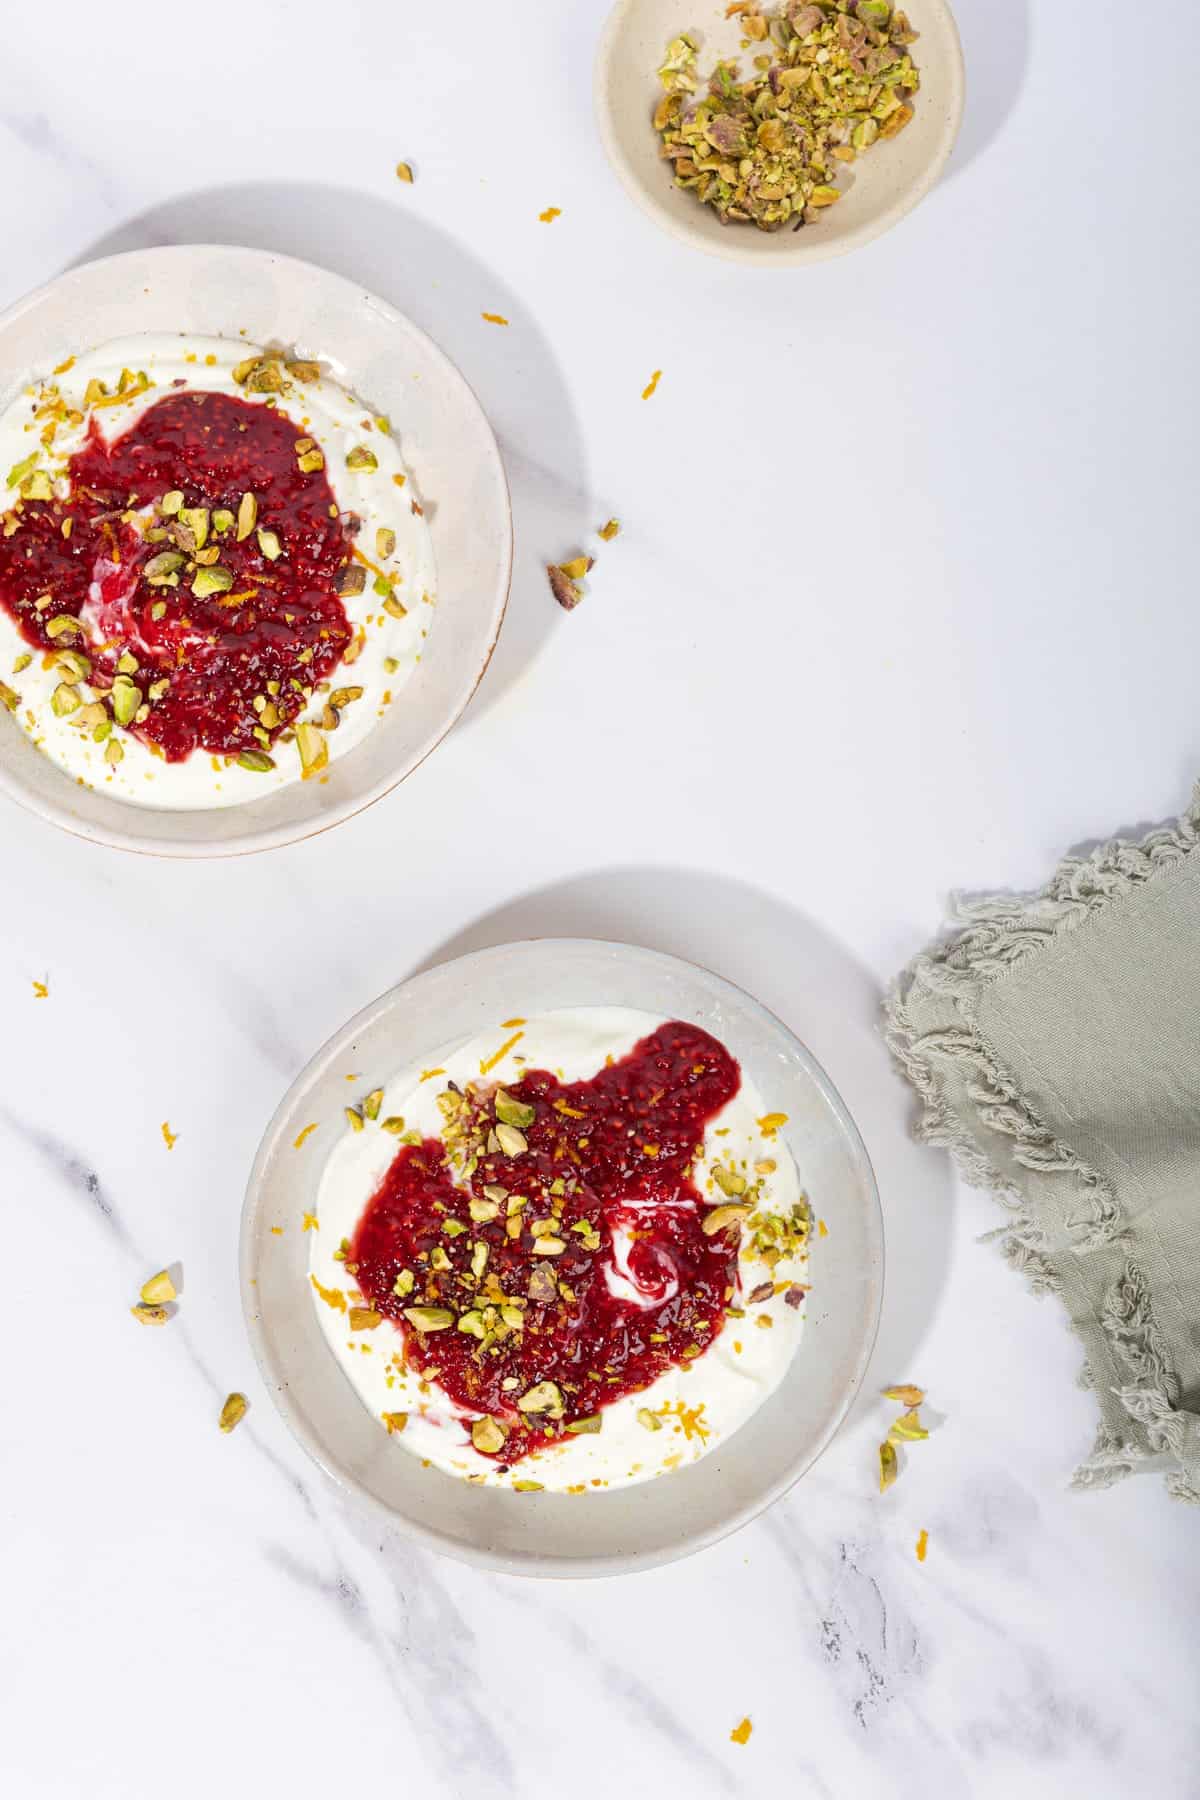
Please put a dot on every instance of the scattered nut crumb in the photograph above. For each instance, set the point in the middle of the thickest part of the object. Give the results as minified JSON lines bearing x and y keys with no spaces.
{"x":551,"y":213}
{"x":608,"y":532}
{"x":311,"y":1222}
{"x":158,"y":1289}
{"x":150,"y":1315}
{"x":922,"y":1545}
{"x":905,"y":1393}
{"x":404,"y":171}
{"x":307,"y":1132}
{"x":170,"y":1138}
{"x":41,"y":990}
{"x":233,"y":1412}
{"x":741,"y":1733}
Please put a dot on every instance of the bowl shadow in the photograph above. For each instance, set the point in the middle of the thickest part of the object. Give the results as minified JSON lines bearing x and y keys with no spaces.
{"x":824,"y":995}
{"x":996,"y":50}
{"x":442,"y":288}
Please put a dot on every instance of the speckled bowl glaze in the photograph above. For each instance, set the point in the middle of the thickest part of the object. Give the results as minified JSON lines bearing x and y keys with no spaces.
{"x":878,"y":190}
{"x":222,"y":291}
{"x":548,"y":1534}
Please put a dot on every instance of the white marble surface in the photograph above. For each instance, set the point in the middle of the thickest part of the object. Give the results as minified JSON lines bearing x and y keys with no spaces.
{"x":904,"y":600}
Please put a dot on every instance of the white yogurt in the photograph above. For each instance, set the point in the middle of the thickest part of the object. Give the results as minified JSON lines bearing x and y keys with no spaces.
{"x":698,"y":1405}
{"x":382,"y":497}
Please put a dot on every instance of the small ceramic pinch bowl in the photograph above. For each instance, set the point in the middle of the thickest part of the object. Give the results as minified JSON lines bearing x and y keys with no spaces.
{"x":211,"y":290}
{"x":602,"y":1532}
{"x":878,"y":189}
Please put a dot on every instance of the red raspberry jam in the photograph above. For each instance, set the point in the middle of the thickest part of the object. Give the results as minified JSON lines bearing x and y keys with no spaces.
{"x":566,"y":1262}
{"x":275,"y":626}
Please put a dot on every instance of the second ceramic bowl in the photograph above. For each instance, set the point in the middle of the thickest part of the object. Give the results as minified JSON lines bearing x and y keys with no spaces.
{"x":596,"y":1533}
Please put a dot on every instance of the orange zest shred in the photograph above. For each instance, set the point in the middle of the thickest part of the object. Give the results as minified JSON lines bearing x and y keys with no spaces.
{"x":306,"y":1133}
{"x":922,"y":1545}
{"x":428,"y":1074}
{"x":741,"y":1733}
{"x":494,"y":318}
{"x":551,"y":213}
{"x":277,"y":1231}
{"x":41,"y":990}
{"x":502,"y":1052}
{"x":311,"y":1222}
{"x":170,"y":1138}
{"x":505,"y":1024}
{"x":330,"y":1295}
{"x":653,"y":383}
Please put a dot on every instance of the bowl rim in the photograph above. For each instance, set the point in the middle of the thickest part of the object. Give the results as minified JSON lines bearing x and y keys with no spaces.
{"x":131,"y":840}
{"x":792,"y":252}
{"x":531,"y":1564}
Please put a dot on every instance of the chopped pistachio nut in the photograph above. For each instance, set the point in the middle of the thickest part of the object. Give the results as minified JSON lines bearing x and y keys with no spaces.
{"x":354,"y":1118}
{"x":907,"y":1428}
{"x":303,"y":371}
{"x":233,"y":1412}
{"x":429,"y":1318}
{"x":147,"y":1314}
{"x":364,"y":1318}
{"x":906,"y":1394}
{"x":889,"y":1466}
{"x":113,"y":753}
{"x":545,"y":1398}
{"x":314,"y":751}
{"x":361,"y":458}
{"x":9,"y":697}
{"x":247,"y":516}
{"x":269,"y":544}
{"x":214,"y":580}
{"x":159,"y":1289}
{"x":567,"y":592}
{"x":395,"y":607}
{"x":256,"y":760}
{"x":394,"y":1125}
{"x":64,"y":700}
{"x":404,"y":1283}
{"x":223,"y":520}
{"x":511,"y":1141}
{"x":578,"y":1427}
{"x":373,"y":1102}
{"x":608,"y":532}
{"x":385,"y":543}
{"x":310,"y":461}
{"x":163,"y":570}
{"x":126,"y":699}
{"x":721,"y":1218}
{"x":351,"y":579}
{"x":513,"y":1112}
{"x":487,"y":1435}
{"x":649,"y":1419}
{"x":767,"y":150}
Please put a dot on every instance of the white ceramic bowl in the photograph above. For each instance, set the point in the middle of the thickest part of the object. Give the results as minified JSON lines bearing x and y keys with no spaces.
{"x":597,"y":1533}
{"x":220,"y":291}
{"x":878,"y":189}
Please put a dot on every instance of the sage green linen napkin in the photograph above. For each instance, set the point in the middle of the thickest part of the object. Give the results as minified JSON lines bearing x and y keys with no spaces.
{"x":1055,"y":1045}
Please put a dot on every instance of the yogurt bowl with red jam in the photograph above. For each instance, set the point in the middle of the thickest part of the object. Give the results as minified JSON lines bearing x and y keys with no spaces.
{"x":565,"y":1253}
{"x":221,"y":598}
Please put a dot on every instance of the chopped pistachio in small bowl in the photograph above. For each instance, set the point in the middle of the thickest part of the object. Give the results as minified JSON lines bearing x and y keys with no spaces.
{"x":778,"y":134}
